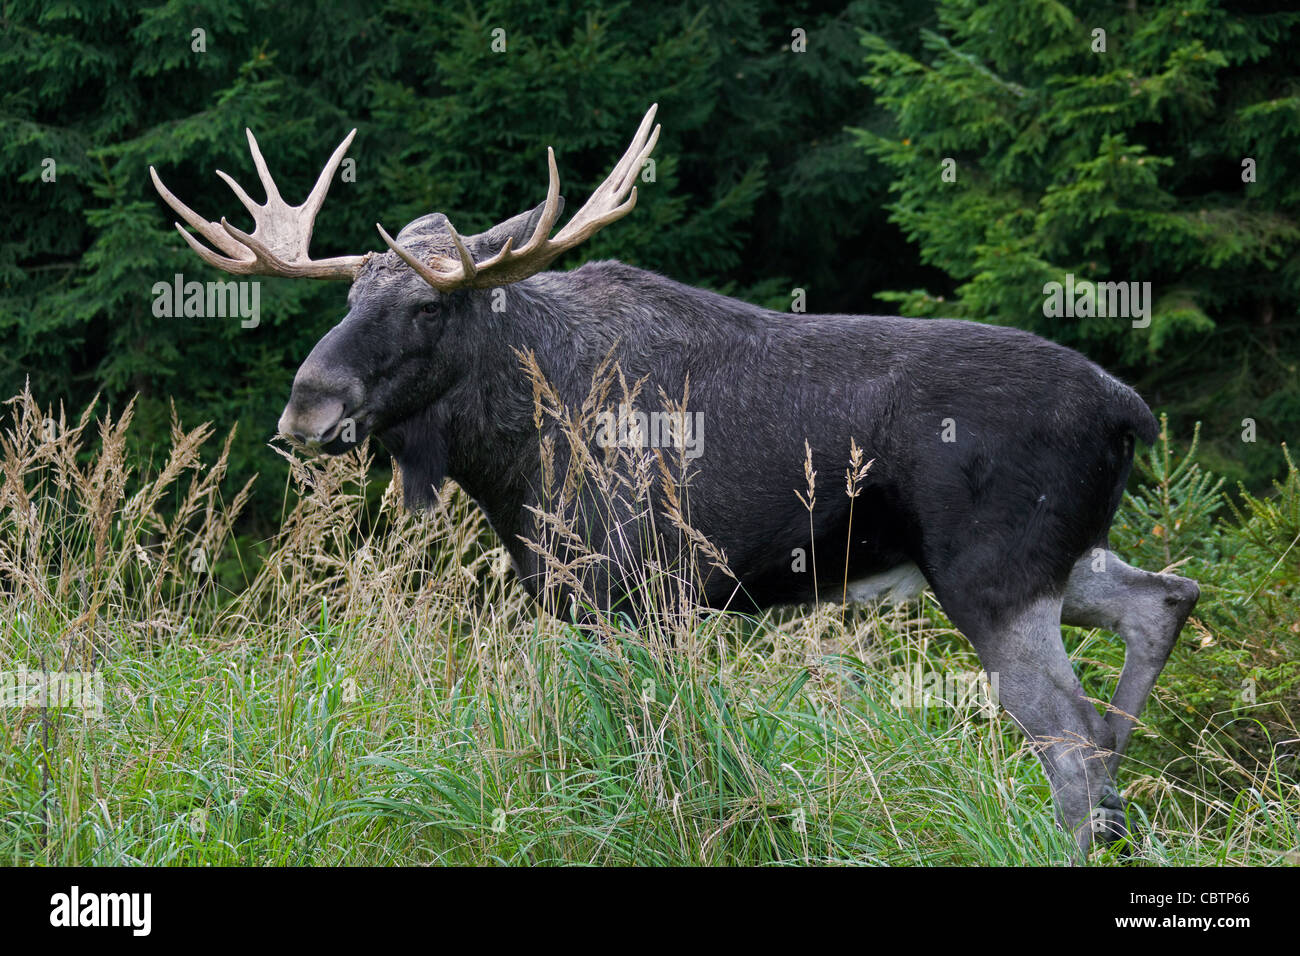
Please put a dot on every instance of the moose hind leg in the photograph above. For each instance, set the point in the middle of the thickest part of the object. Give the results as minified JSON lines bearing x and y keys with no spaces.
{"x":1147,"y":610}
{"x":1024,"y":653}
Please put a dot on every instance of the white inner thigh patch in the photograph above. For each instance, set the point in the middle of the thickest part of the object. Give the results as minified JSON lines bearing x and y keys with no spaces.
{"x":895,"y":585}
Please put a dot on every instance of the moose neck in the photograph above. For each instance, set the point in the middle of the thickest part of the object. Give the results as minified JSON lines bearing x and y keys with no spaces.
{"x":480,"y":431}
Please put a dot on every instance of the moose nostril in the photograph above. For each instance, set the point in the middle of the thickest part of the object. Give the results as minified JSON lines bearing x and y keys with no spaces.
{"x":309,"y":423}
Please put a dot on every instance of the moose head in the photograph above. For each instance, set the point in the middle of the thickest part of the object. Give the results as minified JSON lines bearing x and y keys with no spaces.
{"x":387,"y":360}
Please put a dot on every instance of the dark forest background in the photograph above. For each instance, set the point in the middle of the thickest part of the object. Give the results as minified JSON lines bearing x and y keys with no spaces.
{"x":334,"y":680}
{"x":778,"y":168}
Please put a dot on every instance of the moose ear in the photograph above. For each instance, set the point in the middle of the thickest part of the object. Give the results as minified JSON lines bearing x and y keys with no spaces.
{"x":520,"y":228}
{"x":433,"y":224}
{"x":420,"y":451}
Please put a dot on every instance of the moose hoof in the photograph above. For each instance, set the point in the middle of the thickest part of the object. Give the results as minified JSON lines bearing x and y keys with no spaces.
{"x":1107,"y":823}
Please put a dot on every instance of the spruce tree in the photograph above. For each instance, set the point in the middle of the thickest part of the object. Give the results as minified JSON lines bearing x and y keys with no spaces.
{"x":1036,"y":143}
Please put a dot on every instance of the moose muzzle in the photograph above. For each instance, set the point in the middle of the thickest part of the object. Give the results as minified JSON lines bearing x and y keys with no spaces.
{"x":320,"y":406}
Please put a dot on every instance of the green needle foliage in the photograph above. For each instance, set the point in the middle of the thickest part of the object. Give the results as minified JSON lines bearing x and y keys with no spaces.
{"x":1162,"y":151}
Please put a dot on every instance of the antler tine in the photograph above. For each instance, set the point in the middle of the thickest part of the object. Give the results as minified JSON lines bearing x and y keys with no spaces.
{"x":444,"y":281}
{"x":264,"y":174}
{"x":211,"y":258}
{"x":551,"y":210}
{"x":208,"y":230}
{"x":316,"y":198}
{"x":238,"y":190}
{"x":616,"y":184}
{"x":622,"y":175}
{"x":279,"y":242}
{"x":466,"y":260}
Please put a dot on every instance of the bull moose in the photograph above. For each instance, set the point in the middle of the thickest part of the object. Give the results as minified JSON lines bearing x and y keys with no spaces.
{"x":1006,"y":517}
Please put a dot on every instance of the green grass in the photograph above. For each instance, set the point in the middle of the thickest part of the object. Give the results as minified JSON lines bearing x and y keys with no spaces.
{"x":303,"y":749}
{"x":291,"y":754}
{"x":378,"y":691}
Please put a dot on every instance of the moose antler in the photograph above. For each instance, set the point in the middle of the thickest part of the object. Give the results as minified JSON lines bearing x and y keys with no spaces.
{"x":278,"y":244}
{"x":606,"y":205}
